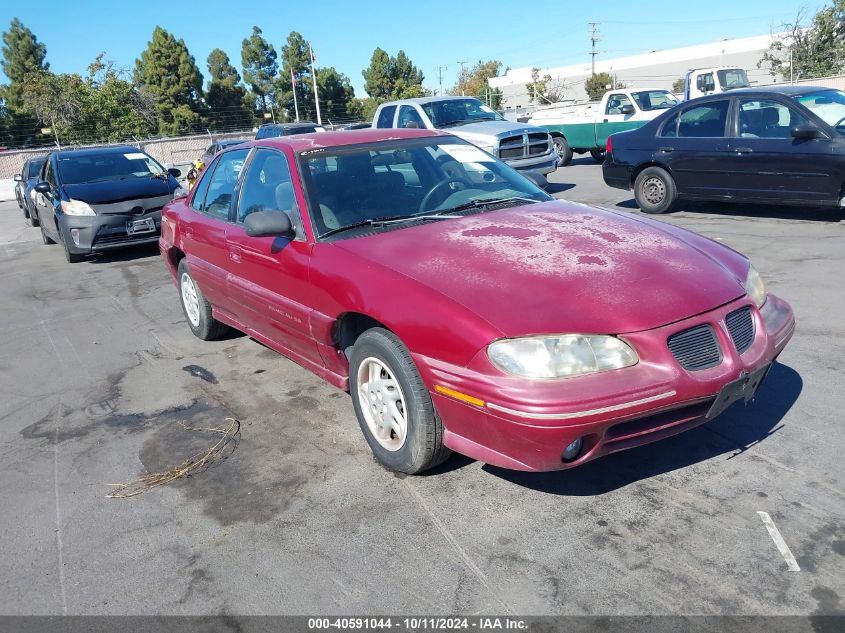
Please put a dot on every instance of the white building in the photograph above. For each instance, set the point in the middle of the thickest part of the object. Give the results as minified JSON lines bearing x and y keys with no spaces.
{"x":654,"y":69}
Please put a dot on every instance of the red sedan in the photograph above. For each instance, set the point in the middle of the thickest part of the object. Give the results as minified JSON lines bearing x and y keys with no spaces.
{"x":464,"y":308}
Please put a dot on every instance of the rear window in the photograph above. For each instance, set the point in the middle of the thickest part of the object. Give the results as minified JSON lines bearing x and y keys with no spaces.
{"x":75,"y":170}
{"x":35,"y":168}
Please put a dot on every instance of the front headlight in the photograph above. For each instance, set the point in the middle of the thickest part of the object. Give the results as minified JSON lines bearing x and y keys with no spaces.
{"x":490,"y":149}
{"x":77,"y":207}
{"x":560,"y":356}
{"x":179,"y":192}
{"x":754,"y":287}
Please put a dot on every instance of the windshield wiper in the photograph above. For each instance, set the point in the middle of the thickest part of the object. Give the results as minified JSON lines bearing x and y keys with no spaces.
{"x":388,"y":220}
{"x":483,"y":203}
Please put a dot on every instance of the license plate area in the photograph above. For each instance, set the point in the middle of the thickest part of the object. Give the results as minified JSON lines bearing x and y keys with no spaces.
{"x":147,"y":225}
{"x":743,"y":388}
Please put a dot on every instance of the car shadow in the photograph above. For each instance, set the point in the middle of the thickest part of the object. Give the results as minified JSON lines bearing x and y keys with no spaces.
{"x":736,"y":209}
{"x":734,"y":432}
{"x":125,"y":254}
{"x":557,"y":187}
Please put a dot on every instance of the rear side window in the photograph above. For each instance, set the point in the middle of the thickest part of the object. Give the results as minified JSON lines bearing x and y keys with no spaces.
{"x":267,"y":132}
{"x":707,"y":120}
{"x":385,"y":117}
{"x":615,"y":103}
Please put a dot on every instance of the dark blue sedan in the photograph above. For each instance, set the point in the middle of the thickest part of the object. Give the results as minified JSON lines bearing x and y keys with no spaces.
{"x":99,"y":199}
{"x":783,"y":145}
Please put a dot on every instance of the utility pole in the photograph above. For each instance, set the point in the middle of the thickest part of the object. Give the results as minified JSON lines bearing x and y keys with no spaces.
{"x":461,"y":80}
{"x":293,"y":88}
{"x":314,"y":78}
{"x":440,"y":70}
{"x":594,"y":37}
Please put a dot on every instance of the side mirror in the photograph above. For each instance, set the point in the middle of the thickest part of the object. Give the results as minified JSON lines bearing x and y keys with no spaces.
{"x":804,"y":132}
{"x":175,"y":172}
{"x":627,"y":109}
{"x":268,"y":224}
{"x":42,"y":187}
{"x":18,"y":178}
{"x":537,"y":178}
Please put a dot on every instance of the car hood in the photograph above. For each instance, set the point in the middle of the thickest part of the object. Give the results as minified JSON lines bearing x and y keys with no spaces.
{"x":121,"y":191}
{"x":558,"y":267}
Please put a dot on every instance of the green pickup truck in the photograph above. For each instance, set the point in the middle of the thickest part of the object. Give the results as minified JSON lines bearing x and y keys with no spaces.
{"x":580,"y":128}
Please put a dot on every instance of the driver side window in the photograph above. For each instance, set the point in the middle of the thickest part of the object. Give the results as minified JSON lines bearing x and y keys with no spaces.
{"x":267,"y":186}
{"x":615,"y":103}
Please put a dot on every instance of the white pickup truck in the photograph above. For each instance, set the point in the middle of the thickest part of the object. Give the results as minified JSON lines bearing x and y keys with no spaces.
{"x":584,"y":127}
{"x":523,"y":147}
{"x":705,"y":81}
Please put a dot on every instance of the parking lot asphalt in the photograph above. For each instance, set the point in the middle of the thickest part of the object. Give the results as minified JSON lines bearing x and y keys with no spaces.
{"x":299,"y":518}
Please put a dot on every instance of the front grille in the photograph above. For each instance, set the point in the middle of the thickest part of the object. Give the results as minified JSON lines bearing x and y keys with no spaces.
{"x":696,"y":348}
{"x":512,"y":147}
{"x":538,"y":143}
{"x":122,"y":237}
{"x":626,"y":431}
{"x":741,"y":327}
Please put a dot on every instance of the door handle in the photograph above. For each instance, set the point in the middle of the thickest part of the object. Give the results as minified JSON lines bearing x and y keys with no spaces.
{"x":743,"y":150}
{"x":667,"y":150}
{"x":235,"y":253}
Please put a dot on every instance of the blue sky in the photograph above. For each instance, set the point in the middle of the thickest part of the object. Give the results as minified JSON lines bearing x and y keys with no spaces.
{"x":432,"y":33}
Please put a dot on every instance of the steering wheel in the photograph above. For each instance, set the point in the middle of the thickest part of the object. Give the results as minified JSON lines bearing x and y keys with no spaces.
{"x":443,"y":183}
{"x":839,"y":122}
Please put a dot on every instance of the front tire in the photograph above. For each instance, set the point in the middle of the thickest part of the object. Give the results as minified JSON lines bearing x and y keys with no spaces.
{"x":655,"y":190}
{"x":72,"y":258}
{"x":196,"y":307}
{"x":45,"y":239}
{"x":392,"y":404}
{"x":564,"y":152}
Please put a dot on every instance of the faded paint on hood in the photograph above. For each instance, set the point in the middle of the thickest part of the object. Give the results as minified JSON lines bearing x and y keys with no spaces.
{"x":112,"y":191}
{"x":559,"y":267}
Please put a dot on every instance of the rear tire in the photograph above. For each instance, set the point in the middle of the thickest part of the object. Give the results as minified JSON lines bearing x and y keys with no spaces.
{"x":598,"y":155}
{"x":564,"y":152}
{"x":33,"y":218}
{"x":392,"y":404}
{"x":196,"y":307}
{"x":655,"y":190}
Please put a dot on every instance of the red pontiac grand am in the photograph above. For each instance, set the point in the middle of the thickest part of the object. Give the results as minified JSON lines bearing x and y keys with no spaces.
{"x":461,"y":306}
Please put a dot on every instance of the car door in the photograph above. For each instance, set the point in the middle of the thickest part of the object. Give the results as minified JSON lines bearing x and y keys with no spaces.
{"x":693,"y":144}
{"x":767,"y":163}
{"x":268,"y":276}
{"x":45,"y":203}
{"x":614,"y":119}
{"x":203,"y":226}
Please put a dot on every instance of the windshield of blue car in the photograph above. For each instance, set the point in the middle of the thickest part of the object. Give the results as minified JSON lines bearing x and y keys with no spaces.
{"x":35,"y":168}
{"x":451,"y":112}
{"x":828,"y":105}
{"x":88,"y":168}
{"x":351,"y":185}
{"x":648,"y":100}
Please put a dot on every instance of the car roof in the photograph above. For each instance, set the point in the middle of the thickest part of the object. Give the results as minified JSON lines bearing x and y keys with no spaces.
{"x":341,"y":138}
{"x":431,"y":99}
{"x":786,"y":90}
{"x":98,"y":151}
{"x":289,"y":126}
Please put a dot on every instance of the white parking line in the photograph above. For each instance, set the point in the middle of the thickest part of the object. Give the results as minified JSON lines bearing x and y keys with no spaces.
{"x":783,"y":548}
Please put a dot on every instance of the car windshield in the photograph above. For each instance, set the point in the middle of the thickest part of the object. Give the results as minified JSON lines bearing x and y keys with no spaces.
{"x":828,"y":105}
{"x":648,"y":100}
{"x":458,"y":111}
{"x":733,"y":78}
{"x":88,"y":168}
{"x":407,"y":179}
{"x":35,"y":168}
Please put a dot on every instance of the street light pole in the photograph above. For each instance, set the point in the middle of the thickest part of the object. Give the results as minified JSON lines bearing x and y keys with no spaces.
{"x":293,"y":88}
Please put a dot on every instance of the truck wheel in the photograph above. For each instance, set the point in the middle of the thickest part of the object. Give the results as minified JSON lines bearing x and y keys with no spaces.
{"x":564,"y":152}
{"x":655,"y":190}
{"x":598,"y":155}
{"x":392,"y":404}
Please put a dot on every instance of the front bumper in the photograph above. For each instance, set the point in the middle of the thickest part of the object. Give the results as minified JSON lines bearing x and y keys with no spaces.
{"x":106,"y":231}
{"x":544,"y":163}
{"x":525,"y":424}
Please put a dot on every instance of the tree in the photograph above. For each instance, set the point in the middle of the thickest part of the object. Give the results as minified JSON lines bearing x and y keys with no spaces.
{"x":805,"y":52}
{"x":390,"y":78}
{"x":168,"y":72}
{"x":337,"y":97}
{"x":475,"y":83}
{"x":544,"y":90}
{"x":22,"y":54}
{"x":258,"y":59}
{"x":377,"y":81}
{"x":226,"y":97}
{"x":679,"y":85}
{"x":116,"y":109}
{"x":597,"y":85}
{"x":58,"y":101}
